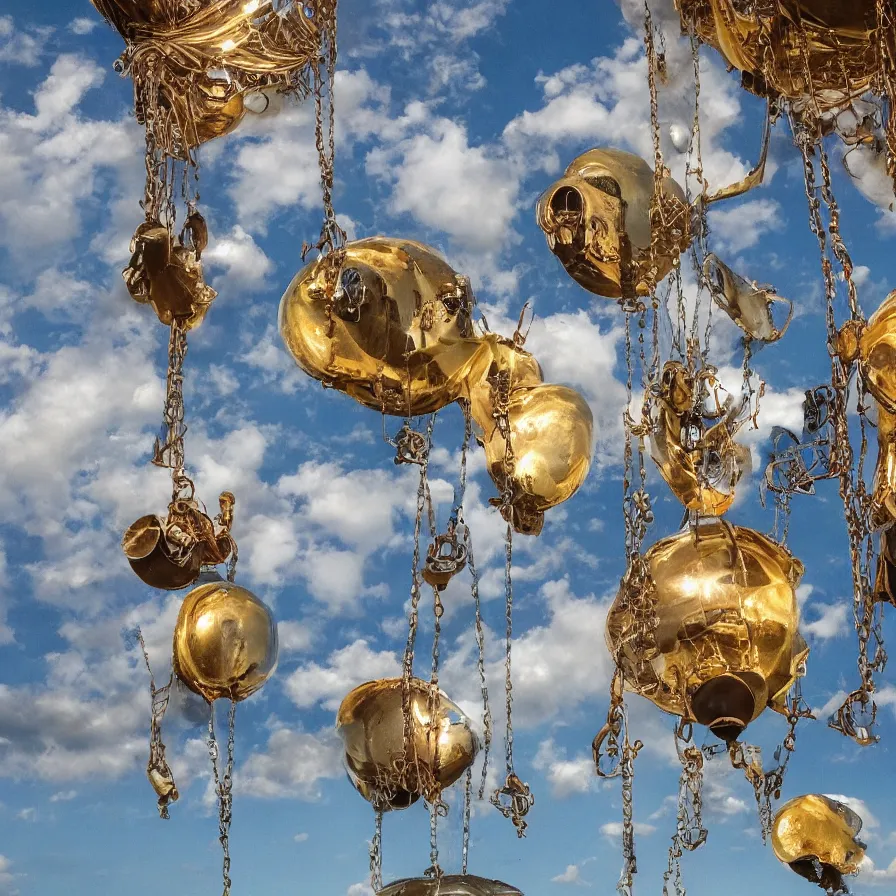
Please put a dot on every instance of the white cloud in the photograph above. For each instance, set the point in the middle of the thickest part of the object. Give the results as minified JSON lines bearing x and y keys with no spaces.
{"x":244,"y":262}
{"x":566,"y":776}
{"x":21,"y":47}
{"x":63,"y":796}
{"x":572,"y":875}
{"x":832,"y":622}
{"x":83,"y":25}
{"x":612,"y":830}
{"x":741,"y":226}
{"x":300,"y":838}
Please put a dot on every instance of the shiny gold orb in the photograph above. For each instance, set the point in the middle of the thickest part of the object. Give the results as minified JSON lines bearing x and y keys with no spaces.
{"x":550,"y":434}
{"x":596,"y":219}
{"x":388,"y":771}
{"x":397,"y":335}
{"x":818,"y":838}
{"x":225,"y":642}
{"x":727,"y":642}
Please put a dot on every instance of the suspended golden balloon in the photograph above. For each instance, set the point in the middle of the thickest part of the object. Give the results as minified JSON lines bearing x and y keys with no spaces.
{"x":727,"y":639}
{"x":691,"y":440}
{"x":818,"y":838}
{"x":449,"y":885}
{"x":550,"y":430}
{"x":397,"y":335}
{"x":597,"y":220}
{"x":225,"y":642}
{"x":393,"y":759}
{"x":877,"y":352}
{"x":197,"y":65}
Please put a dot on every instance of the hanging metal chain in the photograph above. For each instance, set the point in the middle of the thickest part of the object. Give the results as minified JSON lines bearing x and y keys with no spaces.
{"x":157,"y":768}
{"x":376,"y":853}
{"x":630,"y":862}
{"x":856,"y":716}
{"x":223,"y":787}
{"x":689,"y":832}
{"x":168,"y":450}
{"x":480,"y":633}
{"x":468,"y":811}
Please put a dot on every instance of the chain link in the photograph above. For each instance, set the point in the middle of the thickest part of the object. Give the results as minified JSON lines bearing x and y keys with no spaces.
{"x":223,"y":787}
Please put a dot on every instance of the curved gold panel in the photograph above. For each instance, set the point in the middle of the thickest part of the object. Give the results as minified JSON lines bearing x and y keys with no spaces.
{"x":449,"y":885}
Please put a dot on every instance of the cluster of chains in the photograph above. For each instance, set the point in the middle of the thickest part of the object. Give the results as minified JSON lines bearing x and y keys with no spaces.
{"x":856,"y":716}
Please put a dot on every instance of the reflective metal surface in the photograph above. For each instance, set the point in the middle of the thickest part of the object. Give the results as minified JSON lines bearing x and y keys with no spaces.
{"x":167,"y":273}
{"x":818,"y":837}
{"x":449,"y":885}
{"x":818,"y":50}
{"x":692,"y":425}
{"x":597,"y":222}
{"x":168,"y":553}
{"x":877,"y":353}
{"x":389,"y":771}
{"x":550,"y":432}
{"x":397,"y":336}
{"x":727,"y":639}
{"x":198,"y":66}
{"x":747,"y":304}
{"x":225,"y":642}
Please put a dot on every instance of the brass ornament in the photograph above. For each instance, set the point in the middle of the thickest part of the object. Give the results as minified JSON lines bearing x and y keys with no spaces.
{"x":818,"y":838}
{"x":393,"y":759}
{"x":726,"y":640}
{"x":446,"y":557}
{"x":199,"y":66}
{"x":225,"y":642}
{"x":692,"y":439}
{"x":166,"y":272}
{"x":449,"y":885}
{"x":748,"y":305}
{"x":169,"y":553}
{"x":397,"y":334}
{"x":597,"y":221}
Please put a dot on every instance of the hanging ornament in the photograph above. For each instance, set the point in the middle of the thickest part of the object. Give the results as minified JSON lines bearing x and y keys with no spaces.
{"x":199,"y":67}
{"x":537,"y":436}
{"x":726,"y":639}
{"x":397,"y":333}
{"x":692,"y":428}
{"x":449,"y":885}
{"x":818,"y":838}
{"x":402,"y":743}
{"x":225,"y":642}
{"x":748,"y":305}
{"x":597,"y":220}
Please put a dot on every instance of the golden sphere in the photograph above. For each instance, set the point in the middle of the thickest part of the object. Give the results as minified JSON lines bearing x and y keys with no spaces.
{"x":397,"y":336}
{"x":550,"y":433}
{"x":225,"y":642}
{"x":813,"y":834}
{"x":393,"y":774}
{"x":727,"y":639}
{"x":596,"y":219}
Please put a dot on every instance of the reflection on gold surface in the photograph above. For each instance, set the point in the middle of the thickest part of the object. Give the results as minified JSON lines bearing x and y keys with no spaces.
{"x":397,"y":337}
{"x":818,"y":837}
{"x":449,"y":885}
{"x":816,"y":51}
{"x":877,"y":353}
{"x":597,"y":222}
{"x":388,"y":771}
{"x":727,"y":642}
{"x":225,"y":642}
{"x":550,"y":432}
{"x":198,"y":65}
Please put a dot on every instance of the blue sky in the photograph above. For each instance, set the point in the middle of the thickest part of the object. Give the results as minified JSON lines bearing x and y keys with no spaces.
{"x":452,"y":119}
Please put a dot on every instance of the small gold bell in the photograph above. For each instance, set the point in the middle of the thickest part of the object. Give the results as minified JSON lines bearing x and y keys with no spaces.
{"x":225,"y":642}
